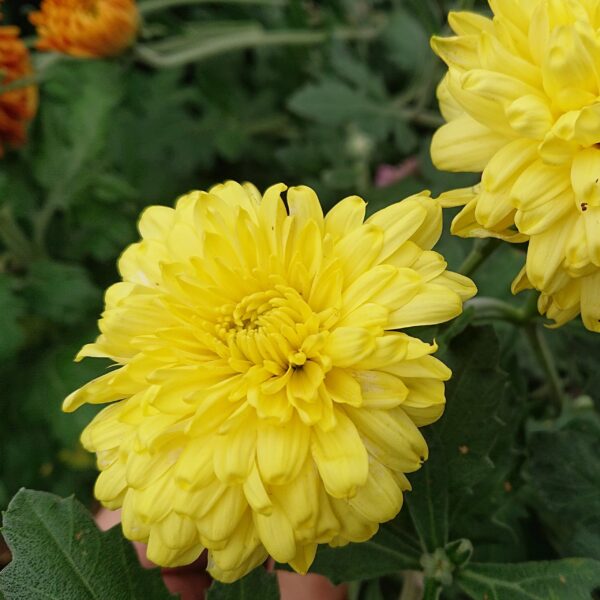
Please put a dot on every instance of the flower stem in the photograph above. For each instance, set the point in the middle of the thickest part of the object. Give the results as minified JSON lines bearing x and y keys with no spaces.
{"x":432,"y":589}
{"x":14,"y":238}
{"x":151,"y":6}
{"x":539,"y":345}
{"x":17,"y":84}
{"x":252,"y":38}
{"x":482,"y":249}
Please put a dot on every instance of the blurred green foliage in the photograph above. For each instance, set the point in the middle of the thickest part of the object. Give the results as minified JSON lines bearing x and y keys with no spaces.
{"x":350,"y":111}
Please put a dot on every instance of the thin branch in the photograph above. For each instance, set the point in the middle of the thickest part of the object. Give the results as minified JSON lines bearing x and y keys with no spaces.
{"x":14,"y":237}
{"x":253,"y":38}
{"x":150,"y":6}
{"x":482,"y":250}
{"x":24,"y":82}
{"x":539,"y":345}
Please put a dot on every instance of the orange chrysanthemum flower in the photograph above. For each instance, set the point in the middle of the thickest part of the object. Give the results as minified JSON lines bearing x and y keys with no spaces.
{"x":86,"y":28}
{"x":18,"y":106}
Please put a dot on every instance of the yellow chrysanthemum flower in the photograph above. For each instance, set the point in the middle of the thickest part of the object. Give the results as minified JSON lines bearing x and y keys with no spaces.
{"x":86,"y":28}
{"x":264,"y":402}
{"x":522,"y":101}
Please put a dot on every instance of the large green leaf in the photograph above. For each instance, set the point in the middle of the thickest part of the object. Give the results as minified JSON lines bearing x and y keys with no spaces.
{"x":461,"y":442}
{"x":59,"y":554}
{"x":568,"y":579}
{"x":564,"y":473}
{"x":257,"y":584}
{"x":65,"y":156}
{"x":61,"y":292}
{"x":333,"y":102}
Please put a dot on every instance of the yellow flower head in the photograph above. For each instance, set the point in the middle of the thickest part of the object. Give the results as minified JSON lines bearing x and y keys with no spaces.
{"x":18,"y":106}
{"x":86,"y":28}
{"x":264,"y":401}
{"x":522,"y":101}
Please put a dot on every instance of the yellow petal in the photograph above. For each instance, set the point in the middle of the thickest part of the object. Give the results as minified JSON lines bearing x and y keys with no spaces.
{"x":394,"y":438}
{"x":241,"y":554}
{"x":380,"y":389}
{"x":234,"y":452}
{"x":435,"y":304}
{"x":585,"y":177}
{"x":398,"y":223}
{"x":346,"y":216}
{"x":281,"y":451}
{"x":464,"y":145}
{"x":177,"y":531}
{"x":425,"y":401}
{"x":343,"y":387}
{"x":538,"y":184}
{"x":162,"y":555}
{"x":304,"y":205}
{"x":458,"y":52}
{"x":304,"y":558}
{"x":380,"y":499}
{"x":340,"y":457}
{"x":545,"y":256}
{"x":345,"y":346}
{"x":359,"y":250}
{"x":469,"y":23}
{"x":276,"y":535}
{"x":530,"y":116}
{"x":590,"y":302}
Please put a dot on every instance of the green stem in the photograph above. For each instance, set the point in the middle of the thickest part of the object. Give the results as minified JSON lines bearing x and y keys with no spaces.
{"x":494,"y":309}
{"x":17,"y":84}
{"x":423,"y":117}
{"x":150,"y":6}
{"x":539,"y":345}
{"x":498,"y":310}
{"x":432,"y":589}
{"x":14,"y":238}
{"x":252,"y":38}
{"x":482,"y":249}
{"x":44,"y":62}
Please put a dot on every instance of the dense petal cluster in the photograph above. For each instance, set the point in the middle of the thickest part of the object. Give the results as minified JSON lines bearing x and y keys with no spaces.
{"x":18,"y":106}
{"x":86,"y":28}
{"x":264,"y":401}
{"x":521,"y":101}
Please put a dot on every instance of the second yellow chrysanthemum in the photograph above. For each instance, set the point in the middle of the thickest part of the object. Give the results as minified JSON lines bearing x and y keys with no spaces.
{"x":521,"y":101}
{"x":264,"y":401}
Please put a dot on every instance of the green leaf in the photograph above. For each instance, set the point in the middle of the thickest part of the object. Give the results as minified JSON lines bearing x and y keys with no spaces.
{"x":68,"y":146}
{"x":568,"y":579}
{"x":564,"y":474}
{"x":61,"y":292}
{"x":332,"y":102}
{"x":390,"y":551}
{"x":54,"y":375}
{"x":461,"y":442}
{"x":11,"y":310}
{"x":474,"y":400}
{"x":257,"y":584}
{"x":59,"y":554}
{"x":428,"y":500}
{"x":407,"y":44}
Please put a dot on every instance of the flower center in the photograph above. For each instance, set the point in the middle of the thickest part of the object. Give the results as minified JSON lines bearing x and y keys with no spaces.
{"x":276,"y":340}
{"x":274,"y":328}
